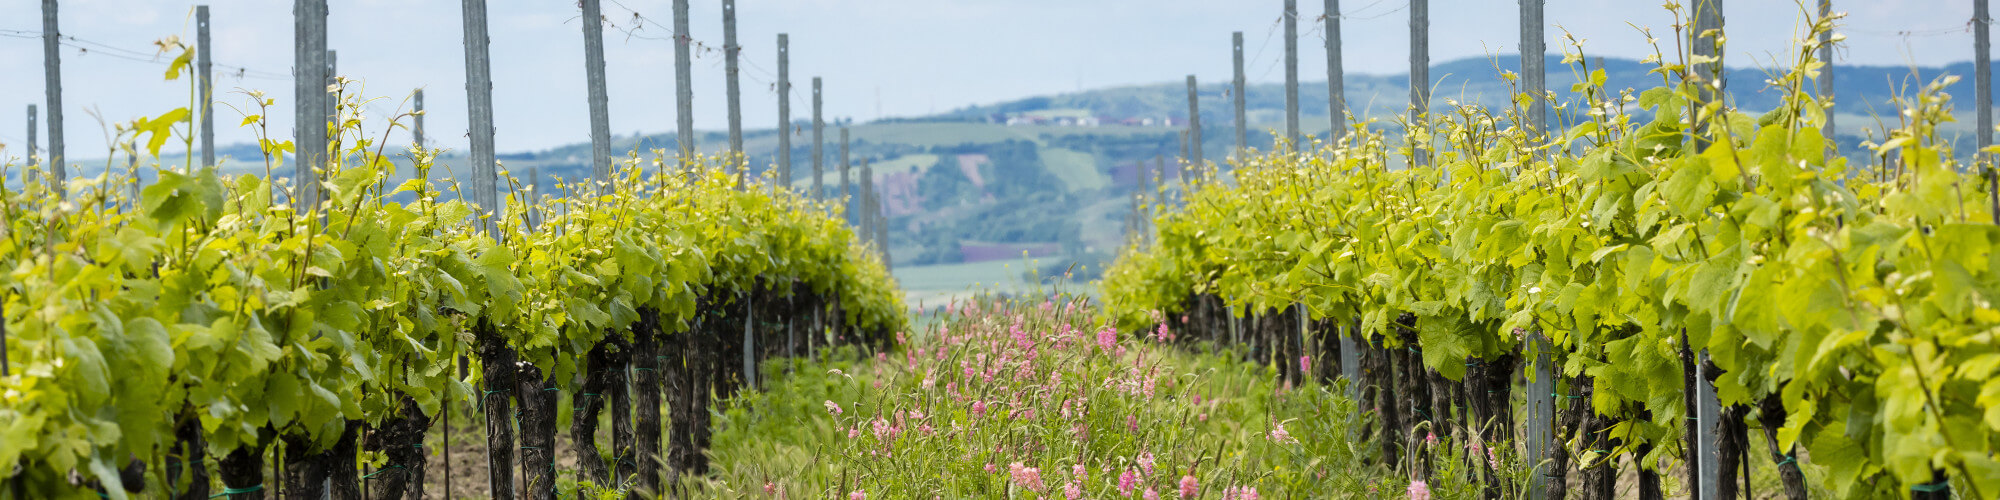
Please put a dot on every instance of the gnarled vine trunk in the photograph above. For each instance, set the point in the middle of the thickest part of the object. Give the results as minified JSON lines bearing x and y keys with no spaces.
{"x":497,"y":360}
{"x":619,"y":392}
{"x":342,"y":469}
{"x":646,"y":339}
{"x":242,"y":472}
{"x":305,"y":472}
{"x":705,"y":366}
{"x":1649,"y":477}
{"x":1567,"y":424}
{"x":1378,"y":369}
{"x":537,"y":420}
{"x":677,"y":351}
{"x":189,"y":448}
{"x":1600,"y":467}
{"x":400,"y":439}
{"x":1771,"y":416}
{"x":602,"y":372}
{"x":1732,"y":451}
{"x":1690,"y":436}
{"x":1733,"y":436}
{"x":1415,"y":388}
{"x":1495,"y":397}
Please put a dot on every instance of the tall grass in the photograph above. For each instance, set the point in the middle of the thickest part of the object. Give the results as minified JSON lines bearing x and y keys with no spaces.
{"x":1021,"y":399}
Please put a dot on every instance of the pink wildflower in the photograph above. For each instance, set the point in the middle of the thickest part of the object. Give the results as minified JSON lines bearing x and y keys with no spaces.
{"x":1240,"y":493}
{"x":978,"y":408}
{"x":1126,"y":482}
{"x":858,"y":495}
{"x":1280,"y":435}
{"x":1419,"y":490}
{"x":990,"y":468}
{"x":1132,"y":423}
{"x":1107,"y":338}
{"x":1305,"y":364}
{"x":770,"y":488}
{"x":1146,"y":462}
{"x":832,"y":407}
{"x":883,"y":430}
{"x":1150,"y":494}
{"x":1078,"y":470}
{"x":1188,"y":486}
{"x":1028,"y":477}
{"x":1072,"y":491}
{"x":1431,"y":438}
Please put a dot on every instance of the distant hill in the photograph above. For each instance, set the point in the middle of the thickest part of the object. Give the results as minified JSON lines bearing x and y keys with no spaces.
{"x":1861,"y":91}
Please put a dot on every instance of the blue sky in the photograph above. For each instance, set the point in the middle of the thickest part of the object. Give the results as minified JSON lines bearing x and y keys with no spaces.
{"x":879,"y":57}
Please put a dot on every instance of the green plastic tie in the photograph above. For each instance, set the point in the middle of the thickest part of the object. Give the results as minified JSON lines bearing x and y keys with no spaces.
{"x":1932,"y":487}
{"x":552,"y":389}
{"x":1789,"y":460}
{"x":226,"y":491}
{"x":379,"y":472}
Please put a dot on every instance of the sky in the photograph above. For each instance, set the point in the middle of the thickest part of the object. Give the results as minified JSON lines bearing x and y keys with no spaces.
{"x":879,"y":58}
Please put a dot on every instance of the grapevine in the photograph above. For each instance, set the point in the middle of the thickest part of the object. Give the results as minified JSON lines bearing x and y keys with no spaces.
{"x":213,"y":302}
{"x":1848,"y":302}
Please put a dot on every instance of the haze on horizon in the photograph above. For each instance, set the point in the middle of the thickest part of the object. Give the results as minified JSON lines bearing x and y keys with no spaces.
{"x":879,"y":58}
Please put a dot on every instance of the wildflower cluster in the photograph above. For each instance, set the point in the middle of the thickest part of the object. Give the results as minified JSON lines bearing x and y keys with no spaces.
{"x":1042,"y":399}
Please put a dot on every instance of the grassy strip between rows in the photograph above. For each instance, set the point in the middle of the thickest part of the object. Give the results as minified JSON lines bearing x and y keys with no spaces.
{"x":1016,"y":399}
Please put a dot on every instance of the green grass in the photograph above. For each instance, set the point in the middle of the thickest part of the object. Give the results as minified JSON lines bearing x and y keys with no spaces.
{"x":1077,"y":169}
{"x":964,"y":402}
{"x":921,"y":162}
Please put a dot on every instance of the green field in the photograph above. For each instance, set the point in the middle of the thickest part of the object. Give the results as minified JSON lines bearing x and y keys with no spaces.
{"x":1078,"y":170}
